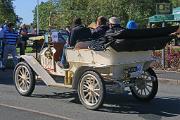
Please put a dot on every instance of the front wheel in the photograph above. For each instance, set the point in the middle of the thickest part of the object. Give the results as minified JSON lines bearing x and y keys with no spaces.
{"x":24,"y":79}
{"x":91,"y":90}
{"x":145,"y":88}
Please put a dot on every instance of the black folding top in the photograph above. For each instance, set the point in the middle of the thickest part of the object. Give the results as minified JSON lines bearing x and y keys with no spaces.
{"x":142,"y":39}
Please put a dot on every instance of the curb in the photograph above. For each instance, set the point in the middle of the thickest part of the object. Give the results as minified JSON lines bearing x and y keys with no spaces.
{"x":167,"y":71}
{"x":169,"y":81}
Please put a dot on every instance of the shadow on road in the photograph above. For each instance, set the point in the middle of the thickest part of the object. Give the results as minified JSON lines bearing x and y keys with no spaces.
{"x":6,"y":77}
{"x":55,"y":95}
{"x":114,"y":103}
{"x":126,"y":104}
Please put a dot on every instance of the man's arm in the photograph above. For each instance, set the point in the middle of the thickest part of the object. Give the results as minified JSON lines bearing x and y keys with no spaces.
{"x":177,"y":32}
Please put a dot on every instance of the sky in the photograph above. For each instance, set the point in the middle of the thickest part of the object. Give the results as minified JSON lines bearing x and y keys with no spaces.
{"x":24,"y":8}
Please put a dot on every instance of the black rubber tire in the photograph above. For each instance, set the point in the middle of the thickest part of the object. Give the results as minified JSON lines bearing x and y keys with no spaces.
{"x":102,"y":90}
{"x":32,"y":79}
{"x":154,"y":88}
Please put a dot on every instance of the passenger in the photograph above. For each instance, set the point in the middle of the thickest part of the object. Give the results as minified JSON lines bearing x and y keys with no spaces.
{"x":101,"y":27}
{"x":79,"y":34}
{"x":79,"y":39}
{"x":131,"y":25}
{"x":114,"y":25}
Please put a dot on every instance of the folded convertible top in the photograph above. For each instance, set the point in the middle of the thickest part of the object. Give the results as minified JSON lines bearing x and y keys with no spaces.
{"x":142,"y":39}
{"x":145,"y":33}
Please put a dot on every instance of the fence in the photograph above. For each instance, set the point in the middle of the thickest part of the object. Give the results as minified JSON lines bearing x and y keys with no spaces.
{"x":172,"y":58}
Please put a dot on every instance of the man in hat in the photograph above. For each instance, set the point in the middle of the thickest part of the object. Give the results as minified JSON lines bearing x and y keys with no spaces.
{"x":114,"y":25}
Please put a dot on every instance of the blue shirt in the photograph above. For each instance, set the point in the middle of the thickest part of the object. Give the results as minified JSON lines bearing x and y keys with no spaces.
{"x":10,"y":37}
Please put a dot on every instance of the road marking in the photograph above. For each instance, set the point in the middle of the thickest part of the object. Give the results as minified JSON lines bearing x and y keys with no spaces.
{"x":36,"y":111}
{"x":167,"y":71}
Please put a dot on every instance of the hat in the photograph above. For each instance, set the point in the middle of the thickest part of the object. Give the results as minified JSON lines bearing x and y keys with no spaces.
{"x":131,"y":25}
{"x":114,"y":20}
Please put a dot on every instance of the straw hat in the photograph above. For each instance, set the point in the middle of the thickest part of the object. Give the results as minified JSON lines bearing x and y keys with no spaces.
{"x":114,"y":20}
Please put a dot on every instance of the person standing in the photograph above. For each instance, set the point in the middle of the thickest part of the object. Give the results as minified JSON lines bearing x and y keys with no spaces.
{"x":10,"y":40}
{"x":1,"y":41}
{"x":24,"y":37}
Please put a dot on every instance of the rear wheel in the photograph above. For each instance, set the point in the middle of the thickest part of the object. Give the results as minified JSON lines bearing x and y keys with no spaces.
{"x":91,"y":90}
{"x":24,"y":79}
{"x":145,"y":88}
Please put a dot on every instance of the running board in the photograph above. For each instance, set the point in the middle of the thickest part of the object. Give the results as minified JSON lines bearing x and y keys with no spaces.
{"x":60,"y":85}
{"x":40,"y":71}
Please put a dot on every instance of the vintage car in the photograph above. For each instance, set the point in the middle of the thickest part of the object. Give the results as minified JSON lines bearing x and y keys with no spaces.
{"x":122,"y":60}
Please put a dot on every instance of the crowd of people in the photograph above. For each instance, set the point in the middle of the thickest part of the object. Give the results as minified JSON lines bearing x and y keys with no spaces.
{"x":10,"y":38}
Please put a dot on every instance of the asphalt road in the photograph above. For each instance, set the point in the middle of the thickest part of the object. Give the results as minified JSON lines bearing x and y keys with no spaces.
{"x":60,"y":104}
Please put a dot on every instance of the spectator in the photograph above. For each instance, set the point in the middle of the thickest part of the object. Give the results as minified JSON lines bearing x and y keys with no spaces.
{"x":3,"y":29}
{"x":31,"y":30}
{"x":24,"y":37}
{"x":131,"y":25}
{"x":1,"y":41}
{"x":101,"y":27}
{"x":10,"y":40}
{"x":5,"y":26}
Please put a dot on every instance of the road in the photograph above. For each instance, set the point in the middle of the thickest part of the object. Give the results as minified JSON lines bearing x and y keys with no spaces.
{"x":60,"y":104}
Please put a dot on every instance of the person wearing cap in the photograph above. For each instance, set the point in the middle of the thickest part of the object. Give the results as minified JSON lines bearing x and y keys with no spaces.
{"x":10,"y":40}
{"x":131,"y":25}
{"x":114,"y":25}
{"x":101,"y":27}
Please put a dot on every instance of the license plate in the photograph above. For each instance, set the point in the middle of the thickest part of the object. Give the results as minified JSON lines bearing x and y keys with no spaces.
{"x":134,"y":69}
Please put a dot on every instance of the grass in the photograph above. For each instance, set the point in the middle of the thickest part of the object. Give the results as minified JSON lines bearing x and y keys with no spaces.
{"x":10,"y":61}
{"x":28,"y":50}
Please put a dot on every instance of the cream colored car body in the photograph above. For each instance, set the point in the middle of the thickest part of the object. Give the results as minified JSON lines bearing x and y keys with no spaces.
{"x":108,"y":63}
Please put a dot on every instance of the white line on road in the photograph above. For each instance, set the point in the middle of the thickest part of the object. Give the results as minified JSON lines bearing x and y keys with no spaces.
{"x":35,"y":111}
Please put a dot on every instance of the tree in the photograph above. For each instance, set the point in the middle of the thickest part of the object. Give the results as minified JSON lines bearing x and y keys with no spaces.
{"x":176,"y":3}
{"x":7,"y":11}
{"x":66,"y":10}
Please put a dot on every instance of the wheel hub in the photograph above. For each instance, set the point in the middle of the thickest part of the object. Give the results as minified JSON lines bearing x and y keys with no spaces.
{"x":24,"y":77}
{"x":141,"y":84}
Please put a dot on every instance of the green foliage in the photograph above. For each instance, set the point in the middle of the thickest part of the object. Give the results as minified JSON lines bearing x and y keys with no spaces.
{"x":176,"y":3}
{"x":7,"y":11}
{"x":64,"y":11}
